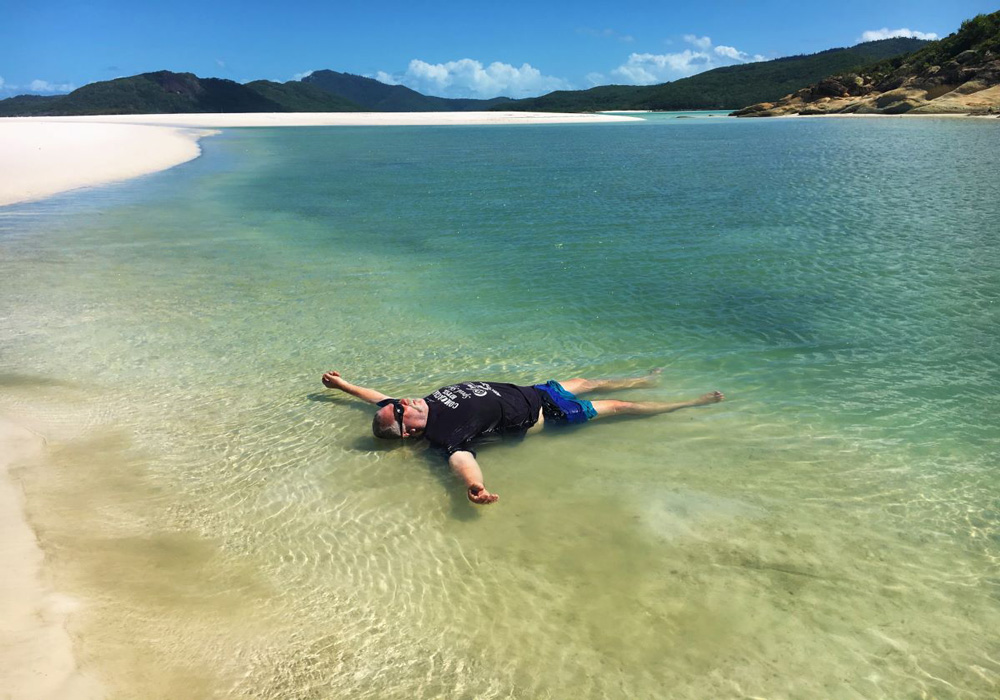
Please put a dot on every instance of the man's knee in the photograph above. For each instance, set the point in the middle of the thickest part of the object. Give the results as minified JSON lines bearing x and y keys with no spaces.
{"x":612,"y":407}
{"x":577,"y":385}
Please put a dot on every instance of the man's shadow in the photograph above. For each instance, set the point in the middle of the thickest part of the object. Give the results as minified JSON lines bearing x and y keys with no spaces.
{"x":327,"y":397}
{"x":461,"y":507}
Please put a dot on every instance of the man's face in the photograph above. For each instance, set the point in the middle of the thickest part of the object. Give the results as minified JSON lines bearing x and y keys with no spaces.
{"x":407,"y":414}
{"x":392,"y":410}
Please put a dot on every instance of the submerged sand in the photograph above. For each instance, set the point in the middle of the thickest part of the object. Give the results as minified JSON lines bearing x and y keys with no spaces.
{"x":42,"y":156}
{"x":37,"y":659}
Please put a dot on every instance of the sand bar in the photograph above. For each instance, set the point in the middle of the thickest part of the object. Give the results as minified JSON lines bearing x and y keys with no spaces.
{"x":41,"y":156}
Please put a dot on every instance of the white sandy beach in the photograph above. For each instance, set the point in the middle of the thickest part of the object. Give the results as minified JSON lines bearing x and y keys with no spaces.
{"x":42,"y":156}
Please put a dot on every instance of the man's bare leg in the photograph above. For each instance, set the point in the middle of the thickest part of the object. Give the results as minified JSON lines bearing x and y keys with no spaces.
{"x":611,"y":407}
{"x":582,"y":386}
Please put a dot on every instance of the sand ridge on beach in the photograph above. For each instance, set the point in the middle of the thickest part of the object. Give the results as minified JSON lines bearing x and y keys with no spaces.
{"x":42,"y":156}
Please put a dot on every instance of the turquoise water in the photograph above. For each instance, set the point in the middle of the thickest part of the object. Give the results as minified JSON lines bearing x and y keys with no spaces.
{"x":230,"y":529}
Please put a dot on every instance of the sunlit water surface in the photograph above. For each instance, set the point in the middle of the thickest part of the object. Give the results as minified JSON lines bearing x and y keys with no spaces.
{"x":231,"y":530}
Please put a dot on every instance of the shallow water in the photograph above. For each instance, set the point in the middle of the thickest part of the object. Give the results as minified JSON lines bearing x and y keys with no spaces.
{"x":231,"y":531}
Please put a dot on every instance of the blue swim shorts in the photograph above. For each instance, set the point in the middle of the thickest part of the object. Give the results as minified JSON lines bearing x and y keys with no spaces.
{"x":560,"y":406}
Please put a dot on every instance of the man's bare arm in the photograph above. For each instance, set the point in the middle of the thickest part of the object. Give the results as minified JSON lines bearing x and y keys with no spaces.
{"x":333,"y":380}
{"x":466,"y":467}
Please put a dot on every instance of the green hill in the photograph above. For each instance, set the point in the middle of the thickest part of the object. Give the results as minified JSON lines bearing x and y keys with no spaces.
{"x":27,"y":105}
{"x":164,"y":92}
{"x":722,"y":88}
{"x":302,"y":97}
{"x":379,"y":97}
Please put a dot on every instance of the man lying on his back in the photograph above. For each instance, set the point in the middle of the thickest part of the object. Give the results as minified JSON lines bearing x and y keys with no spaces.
{"x":455,"y":417}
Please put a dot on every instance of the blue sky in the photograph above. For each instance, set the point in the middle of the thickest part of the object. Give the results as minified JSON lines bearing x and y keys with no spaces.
{"x":453,"y":49}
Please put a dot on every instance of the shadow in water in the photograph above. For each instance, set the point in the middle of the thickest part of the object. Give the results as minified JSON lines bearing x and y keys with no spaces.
{"x":436,"y":464}
{"x":16,"y":379}
{"x":326,"y":397}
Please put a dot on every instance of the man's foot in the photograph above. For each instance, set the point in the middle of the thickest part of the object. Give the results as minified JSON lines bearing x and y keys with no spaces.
{"x":710,"y":397}
{"x":650,"y":379}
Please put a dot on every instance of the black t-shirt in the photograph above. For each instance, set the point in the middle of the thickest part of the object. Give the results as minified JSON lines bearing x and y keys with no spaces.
{"x":459,"y":414}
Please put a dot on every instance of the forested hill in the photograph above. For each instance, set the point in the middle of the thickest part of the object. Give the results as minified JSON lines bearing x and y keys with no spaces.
{"x":722,"y":88}
{"x":379,"y":97}
{"x":164,"y":92}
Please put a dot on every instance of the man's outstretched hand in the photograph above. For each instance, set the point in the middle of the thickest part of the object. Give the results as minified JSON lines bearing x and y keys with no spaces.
{"x":480,"y":496}
{"x":332,"y":380}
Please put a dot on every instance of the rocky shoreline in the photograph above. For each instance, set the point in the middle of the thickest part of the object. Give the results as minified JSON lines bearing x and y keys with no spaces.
{"x":962,"y":86}
{"x":959,"y":74}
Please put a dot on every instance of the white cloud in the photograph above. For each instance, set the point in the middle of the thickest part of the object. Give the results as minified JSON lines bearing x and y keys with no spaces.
{"x":8,"y":87}
{"x":300,"y":76}
{"x":886,"y":33}
{"x":469,"y":78}
{"x":220,"y":63}
{"x":702,"y":42}
{"x":735,"y":54}
{"x":596,"y":79}
{"x":649,"y":69}
{"x":46,"y":86}
{"x":440,"y":73}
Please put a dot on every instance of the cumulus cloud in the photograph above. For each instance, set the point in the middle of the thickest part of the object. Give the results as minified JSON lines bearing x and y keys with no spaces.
{"x":469,"y":78}
{"x":649,"y":68}
{"x":46,"y":86}
{"x":702,"y":42}
{"x":300,"y":76}
{"x":886,"y":33}
{"x":735,"y":54}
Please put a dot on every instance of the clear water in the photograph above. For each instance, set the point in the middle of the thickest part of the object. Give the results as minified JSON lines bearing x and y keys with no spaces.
{"x":231,"y":530}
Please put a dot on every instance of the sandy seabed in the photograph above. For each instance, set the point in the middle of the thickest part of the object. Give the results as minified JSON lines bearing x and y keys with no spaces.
{"x":43,"y":156}
{"x":36,"y":651}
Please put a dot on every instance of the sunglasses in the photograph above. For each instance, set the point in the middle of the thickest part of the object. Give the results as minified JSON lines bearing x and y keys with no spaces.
{"x":397,"y":411}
